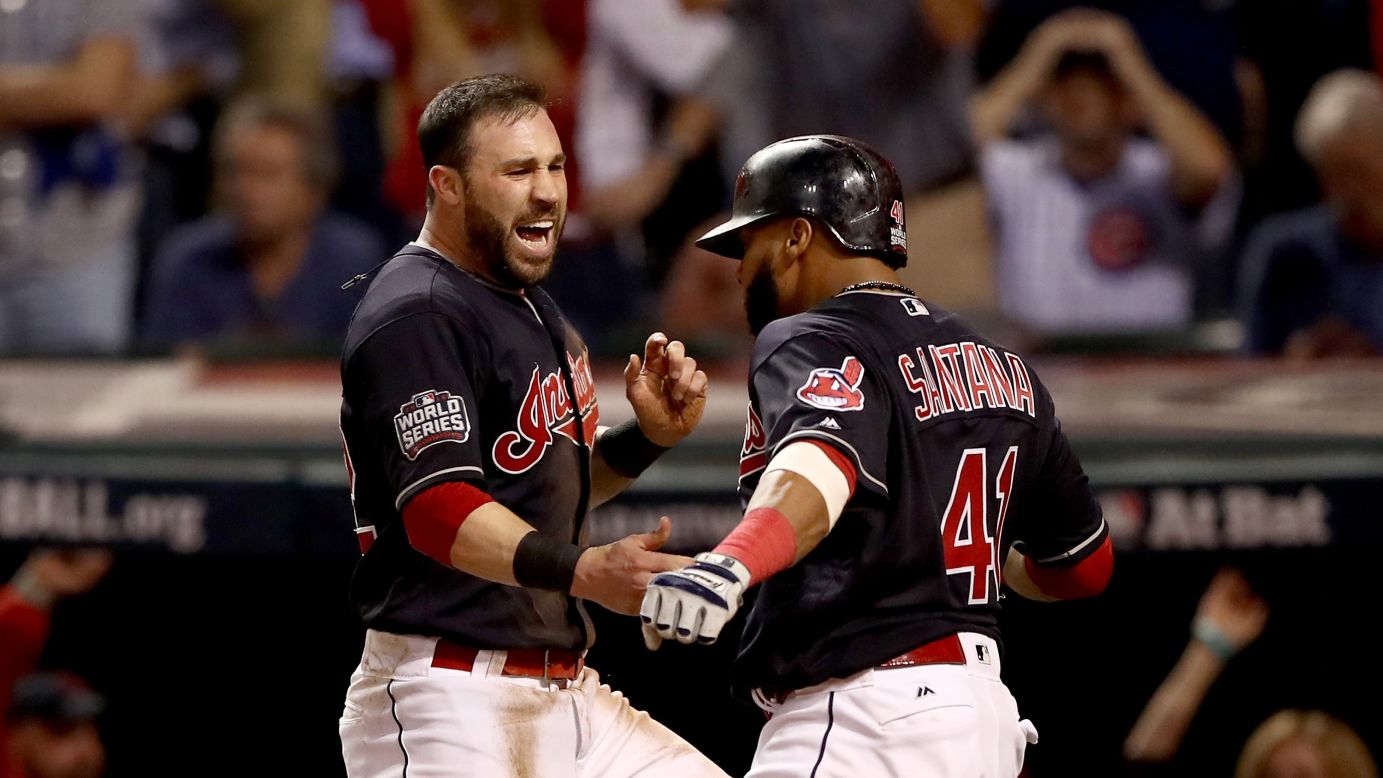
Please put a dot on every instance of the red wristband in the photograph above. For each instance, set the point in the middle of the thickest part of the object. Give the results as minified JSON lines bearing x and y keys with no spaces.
{"x":764,"y":541}
{"x":1085,"y":578}
{"x":432,"y":517}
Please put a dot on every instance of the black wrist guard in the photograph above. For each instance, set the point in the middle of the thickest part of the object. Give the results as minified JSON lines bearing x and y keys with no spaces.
{"x":543,"y":563}
{"x":626,"y":451}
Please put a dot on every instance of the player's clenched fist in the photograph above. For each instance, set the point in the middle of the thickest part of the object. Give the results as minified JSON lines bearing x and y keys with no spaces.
{"x":616,"y":574}
{"x":693,"y":604}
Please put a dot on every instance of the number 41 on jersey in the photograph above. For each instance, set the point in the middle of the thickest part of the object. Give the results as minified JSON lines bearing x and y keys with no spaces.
{"x":971,"y":548}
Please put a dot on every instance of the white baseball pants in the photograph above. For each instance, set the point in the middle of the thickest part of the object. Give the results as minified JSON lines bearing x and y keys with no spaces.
{"x":937,"y":721}
{"x":405,"y":718}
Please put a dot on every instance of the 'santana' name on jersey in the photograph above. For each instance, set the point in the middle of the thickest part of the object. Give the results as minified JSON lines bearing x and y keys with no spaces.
{"x":966,"y":376}
{"x":444,"y":416}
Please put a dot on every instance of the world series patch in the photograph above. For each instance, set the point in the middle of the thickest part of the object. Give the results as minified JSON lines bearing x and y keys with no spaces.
{"x":430,"y":418}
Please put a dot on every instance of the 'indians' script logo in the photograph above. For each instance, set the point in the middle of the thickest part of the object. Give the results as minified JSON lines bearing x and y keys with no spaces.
{"x":546,"y":411}
{"x":430,"y":418}
{"x":753,"y":457}
{"x":835,"y":390}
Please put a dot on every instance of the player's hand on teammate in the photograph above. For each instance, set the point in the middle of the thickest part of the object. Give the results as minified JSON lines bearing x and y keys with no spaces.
{"x":616,"y":575}
{"x":692,"y":605}
{"x":666,"y":390}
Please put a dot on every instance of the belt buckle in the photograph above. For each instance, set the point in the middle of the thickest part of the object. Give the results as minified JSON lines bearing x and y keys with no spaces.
{"x":548,"y":680}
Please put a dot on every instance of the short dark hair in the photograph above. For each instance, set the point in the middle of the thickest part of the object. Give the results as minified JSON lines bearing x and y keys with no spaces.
{"x":321,"y":167}
{"x":1091,"y":63}
{"x":444,"y":131}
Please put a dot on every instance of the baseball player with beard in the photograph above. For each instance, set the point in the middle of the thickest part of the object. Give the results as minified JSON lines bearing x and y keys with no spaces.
{"x":897,"y":469}
{"x":474,"y":450}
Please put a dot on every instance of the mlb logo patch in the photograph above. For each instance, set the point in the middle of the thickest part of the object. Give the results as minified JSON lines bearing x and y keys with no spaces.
{"x":914,"y":307}
{"x":835,"y":389}
{"x":429,"y":418}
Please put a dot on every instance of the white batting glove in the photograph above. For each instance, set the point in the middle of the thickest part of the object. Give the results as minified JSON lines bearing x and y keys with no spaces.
{"x":692,"y":605}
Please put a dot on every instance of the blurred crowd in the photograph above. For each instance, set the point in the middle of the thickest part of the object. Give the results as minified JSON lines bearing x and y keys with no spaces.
{"x":1291,"y":743}
{"x":49,"y":727}
{"x":206,"y":174}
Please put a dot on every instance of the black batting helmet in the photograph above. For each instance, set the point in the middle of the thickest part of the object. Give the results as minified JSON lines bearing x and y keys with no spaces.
{"x":839,"y":181}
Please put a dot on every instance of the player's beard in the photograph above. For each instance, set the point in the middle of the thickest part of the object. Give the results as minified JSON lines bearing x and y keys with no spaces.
{"x":489,"y":241}
{"x":761,"y":300}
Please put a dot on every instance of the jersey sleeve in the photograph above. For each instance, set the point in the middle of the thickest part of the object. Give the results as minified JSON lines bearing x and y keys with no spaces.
{"x":416,"y":379}
{"x":1067,"y":522}
{"x":813,"y":387}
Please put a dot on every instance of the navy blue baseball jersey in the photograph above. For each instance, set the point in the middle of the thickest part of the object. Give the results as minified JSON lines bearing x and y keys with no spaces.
{"x":446,"y":377}
{"x":958,"y":454}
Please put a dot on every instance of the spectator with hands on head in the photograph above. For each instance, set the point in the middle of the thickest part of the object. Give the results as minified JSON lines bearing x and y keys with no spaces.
{"x":1097,"y":229}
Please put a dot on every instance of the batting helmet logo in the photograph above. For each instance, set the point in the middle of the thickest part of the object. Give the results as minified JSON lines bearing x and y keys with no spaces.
{"x":844,"y":184}
{"x":835,"y":389}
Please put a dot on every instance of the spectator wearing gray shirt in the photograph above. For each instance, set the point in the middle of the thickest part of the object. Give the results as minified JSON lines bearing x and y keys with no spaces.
{"x":1095,"y":228}
{"x":1312,"y":283}
{"x":895,"y":74}
{"x":69,"y":197}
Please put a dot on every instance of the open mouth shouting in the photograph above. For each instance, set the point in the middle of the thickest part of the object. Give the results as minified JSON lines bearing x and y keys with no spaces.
{"x":538,"y":237}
